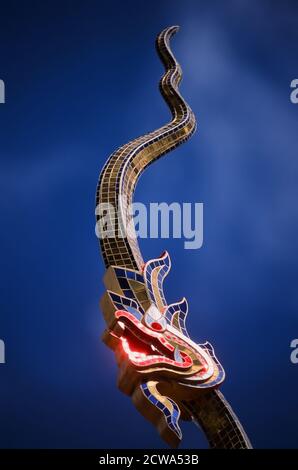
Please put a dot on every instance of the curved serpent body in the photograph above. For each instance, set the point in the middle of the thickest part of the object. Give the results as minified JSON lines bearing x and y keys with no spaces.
{"x":122,"y":170}
{"x":167,"y":375}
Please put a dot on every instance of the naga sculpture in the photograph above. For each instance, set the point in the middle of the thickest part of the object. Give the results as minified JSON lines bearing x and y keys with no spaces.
{"x":168,"y":376}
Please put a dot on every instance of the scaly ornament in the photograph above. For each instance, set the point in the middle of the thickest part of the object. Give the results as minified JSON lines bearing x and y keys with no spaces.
{"x":168,"y":376}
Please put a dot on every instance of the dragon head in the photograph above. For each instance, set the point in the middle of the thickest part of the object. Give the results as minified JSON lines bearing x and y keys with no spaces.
{"x":160,"y":366}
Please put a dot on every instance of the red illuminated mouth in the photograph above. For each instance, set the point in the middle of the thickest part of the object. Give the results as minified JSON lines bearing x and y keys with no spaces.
{"x":146,"y":348}
{"x":154,"y":358}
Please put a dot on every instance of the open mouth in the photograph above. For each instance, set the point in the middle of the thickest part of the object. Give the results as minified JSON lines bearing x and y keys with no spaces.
{"x":145,"y":347}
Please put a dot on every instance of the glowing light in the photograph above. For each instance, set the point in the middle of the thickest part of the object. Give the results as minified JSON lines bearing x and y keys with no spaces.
{"x":156,"y":326}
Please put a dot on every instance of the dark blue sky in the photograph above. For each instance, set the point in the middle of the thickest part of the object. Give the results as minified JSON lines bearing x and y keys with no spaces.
{"x":81,"y":79}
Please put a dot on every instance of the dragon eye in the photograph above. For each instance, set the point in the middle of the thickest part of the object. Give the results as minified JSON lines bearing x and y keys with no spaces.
{"x":154,"y":319}
{"x":156,"y":326}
